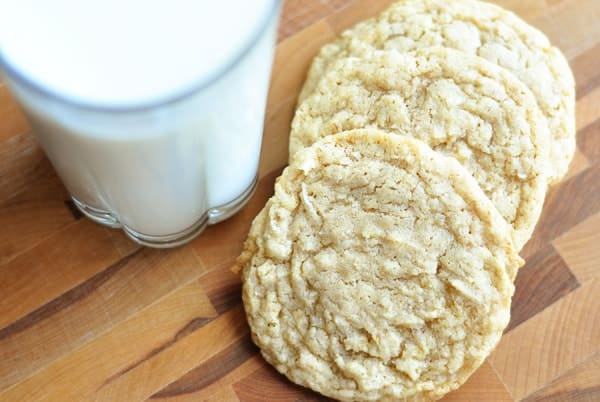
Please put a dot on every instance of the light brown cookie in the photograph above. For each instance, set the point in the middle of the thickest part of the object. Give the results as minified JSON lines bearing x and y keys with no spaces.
{"x":460,"y":104}
{"x":378,"y":270}
{"x":474,"y":27}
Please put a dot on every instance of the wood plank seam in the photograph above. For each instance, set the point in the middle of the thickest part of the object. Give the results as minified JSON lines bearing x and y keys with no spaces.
{"x":193,"y":325}
{"x":586,"y":71}
{"x":69,"y":297}
{"x":499,"y":376}
{"x":544,"y":280}
{"x":85,"y":355}
{"x":569,"y":395}
{"x":210,"y":371}
{"x":196,"y":350}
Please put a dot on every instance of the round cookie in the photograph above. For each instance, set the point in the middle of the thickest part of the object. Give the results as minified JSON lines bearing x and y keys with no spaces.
{"x":378,"y":270}
{"x":479,"y":28}
{"x":460,"y":104}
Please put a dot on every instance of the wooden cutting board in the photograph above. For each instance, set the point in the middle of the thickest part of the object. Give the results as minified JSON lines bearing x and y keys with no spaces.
{"x":87,"y":315}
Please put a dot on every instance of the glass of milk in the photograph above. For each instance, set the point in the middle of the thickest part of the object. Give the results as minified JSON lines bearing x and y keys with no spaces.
{"x":150,"y":111}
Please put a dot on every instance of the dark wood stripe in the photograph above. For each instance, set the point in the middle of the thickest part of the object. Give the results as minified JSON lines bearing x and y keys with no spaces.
{"x":581,"y":383}
{"x":586,"y":70}
{"x":567,"y":204}
{"x":223,"y":299}
{"x":544,"y":279}
{"x":588,"y":140}
{"x":591,"y":394}
{"x":212,"y":370}
{"x":190,"y":327}
{"x":73,"y":209}
{"x":267,"y":384}
{"x":66,"y":299}
{"x":222,"y":287}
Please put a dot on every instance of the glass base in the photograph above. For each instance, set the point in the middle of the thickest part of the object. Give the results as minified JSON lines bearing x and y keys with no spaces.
{"x":212,"y":216}
{"x":100,"y":216}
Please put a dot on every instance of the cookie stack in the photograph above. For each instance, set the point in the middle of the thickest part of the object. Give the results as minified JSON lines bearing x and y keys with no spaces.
{"x":421,"y":150}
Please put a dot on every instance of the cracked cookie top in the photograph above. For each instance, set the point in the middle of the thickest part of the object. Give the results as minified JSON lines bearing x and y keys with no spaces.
{"x":459,"y":104}
{"x":378,"y":270}
{"x":477,"y":28}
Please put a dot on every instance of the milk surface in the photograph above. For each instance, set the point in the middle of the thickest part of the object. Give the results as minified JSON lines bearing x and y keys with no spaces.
{"x":126,"y":52}
{"x":161,"y":104}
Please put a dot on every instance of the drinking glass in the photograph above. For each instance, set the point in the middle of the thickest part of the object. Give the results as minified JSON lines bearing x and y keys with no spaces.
{"x":161,"y":171}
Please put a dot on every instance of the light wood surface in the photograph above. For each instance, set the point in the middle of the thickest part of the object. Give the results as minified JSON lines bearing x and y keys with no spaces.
{"x":85,"y":314}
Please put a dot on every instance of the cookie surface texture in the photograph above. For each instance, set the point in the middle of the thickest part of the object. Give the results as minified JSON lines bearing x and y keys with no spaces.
{"x":474,"y":27}
{"x":459,"y":104}
{"x":377,"y":271}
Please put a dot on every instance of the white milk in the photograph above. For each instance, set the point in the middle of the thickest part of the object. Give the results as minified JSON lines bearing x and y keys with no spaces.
{"x":157,"y":169}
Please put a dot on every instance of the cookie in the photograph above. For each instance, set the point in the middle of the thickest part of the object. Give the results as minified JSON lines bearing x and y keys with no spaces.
{"x":479,"y":28}
{"x":460,"y":104}
{"x":379,"y":270}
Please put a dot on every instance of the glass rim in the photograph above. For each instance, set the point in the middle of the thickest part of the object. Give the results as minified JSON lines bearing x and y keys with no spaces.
{"x":13,"y":72}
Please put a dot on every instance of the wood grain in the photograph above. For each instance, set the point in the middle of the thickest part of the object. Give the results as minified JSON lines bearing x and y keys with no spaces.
{"x":550,"y":343}
{"x":54,"y":266}
{"x":211,"y":370}
{"x":582,"y":383}
{"x":585,"y":68}
{"x":587,"y":107}
{"x":220,"y":390}
{"x":13,"y":120}
{"x":484,"y":385}
{"x":299,"y":15}
{"x":32,"y":215}
{"x":93,"y":307}
{"x":580,"y":249}
{"x":544,"y":279}
{"x":87,"y":315}
{"x":170,"y":364}
{"x":589,"y":140}
{"x":23,"y":163}
{"x":571,"y":25}
{"x":267,"y":384}
{"x":153,"y":328}
{"x":567,"y":204}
